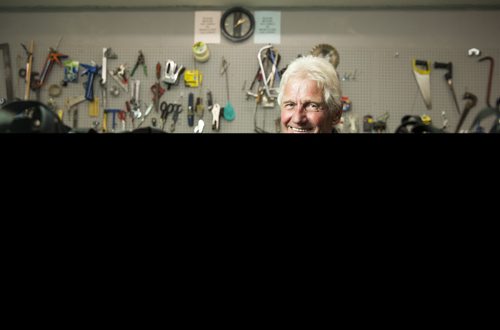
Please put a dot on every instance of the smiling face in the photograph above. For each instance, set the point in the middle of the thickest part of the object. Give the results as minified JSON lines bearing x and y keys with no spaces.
{"x":303,"y":109}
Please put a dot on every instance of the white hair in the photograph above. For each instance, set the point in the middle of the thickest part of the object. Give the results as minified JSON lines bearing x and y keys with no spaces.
{"x":317,"y":69}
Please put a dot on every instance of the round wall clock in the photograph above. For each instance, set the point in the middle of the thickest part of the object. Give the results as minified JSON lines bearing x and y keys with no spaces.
{"x":237,"y":24}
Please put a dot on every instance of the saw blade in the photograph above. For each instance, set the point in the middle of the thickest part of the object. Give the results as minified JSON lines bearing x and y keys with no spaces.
{"x":327,"y":51}
{"x":422,"y":76}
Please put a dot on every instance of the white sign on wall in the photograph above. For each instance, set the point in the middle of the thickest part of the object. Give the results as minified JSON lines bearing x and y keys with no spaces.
{"x":267,"y":27}
{"x":207,"y":26}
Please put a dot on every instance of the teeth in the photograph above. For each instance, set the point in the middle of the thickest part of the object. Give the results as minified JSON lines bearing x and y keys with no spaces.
{"x":301,"y":130}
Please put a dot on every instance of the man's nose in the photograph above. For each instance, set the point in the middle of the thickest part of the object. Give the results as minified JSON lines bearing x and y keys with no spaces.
{"x":299,"y":114}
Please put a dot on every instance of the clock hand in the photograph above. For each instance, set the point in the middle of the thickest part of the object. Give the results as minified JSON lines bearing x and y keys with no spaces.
{"x":240,"y":21}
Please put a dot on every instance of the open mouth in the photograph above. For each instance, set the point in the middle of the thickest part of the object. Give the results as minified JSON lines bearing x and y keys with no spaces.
{"x":299,"y":130}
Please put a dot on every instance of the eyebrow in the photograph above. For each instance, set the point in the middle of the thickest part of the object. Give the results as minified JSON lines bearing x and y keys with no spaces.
{"x":305,"y":101}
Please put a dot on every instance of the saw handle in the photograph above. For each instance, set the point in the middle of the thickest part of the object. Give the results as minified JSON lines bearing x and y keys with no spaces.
{"x":422,"y":63}
{"x":448,"y":66}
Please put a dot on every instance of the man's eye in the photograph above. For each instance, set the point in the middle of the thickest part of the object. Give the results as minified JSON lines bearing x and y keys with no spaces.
{"x":313,"y":107}
{"x":289,"y":106}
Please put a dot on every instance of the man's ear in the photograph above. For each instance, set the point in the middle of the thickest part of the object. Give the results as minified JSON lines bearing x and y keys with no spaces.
{"x":337,"y":114}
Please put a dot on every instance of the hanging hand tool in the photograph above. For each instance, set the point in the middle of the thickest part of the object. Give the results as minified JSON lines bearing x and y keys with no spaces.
{"x":210,"y":102}
{"x":275,"y":60}
{"x":490,"y":78}
{"x":172,"y":73}
{"x":120,"y":76}
{"x":91,"y":70}
{"x":228,"y":111}
{"x":94,"y":107}
{"x":190,"y":113}
{"x":71,"y":71}
{"x":114,"y":112}
{"x":72,"y":101}
{"x":128,"y":111}
{"x":29,"y":64}
{"x":134,"y":92}
{"x":471,"y":103}
{"x":168,"y":108}
{"x":175,"y":117}
{"x":257,"y":77}
{"x":448,"y":77}
{"x":146,"y":113}
{"x":156,"y":89}
{"x":368,"y":123}
{"x":445,"y":120}
{"x":380,"y":125}
{"x":200,"y":109}
{"x":69,"y":106}
{"x":140,"y":61}
{"x":122,"y":116}
{"x":8,"y":71}
{"x":54,"y":56}
{"x":216,"y":117}
{"x":199,"y":127}
{"x":107,"y":53}
{"x":423,"y":80}
{"x":271,"y":93}
{"x":215,"y":110}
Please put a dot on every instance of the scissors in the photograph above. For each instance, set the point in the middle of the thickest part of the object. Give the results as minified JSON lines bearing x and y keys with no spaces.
{"x":168,"y":108}
{"x":157,"y":91}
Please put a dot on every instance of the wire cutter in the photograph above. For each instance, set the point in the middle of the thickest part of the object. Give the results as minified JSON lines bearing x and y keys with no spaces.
{"x":140,"y":61}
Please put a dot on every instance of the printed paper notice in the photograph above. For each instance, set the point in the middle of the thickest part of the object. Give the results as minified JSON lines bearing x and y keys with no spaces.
{"x":267,"y":27}
{"x":207,"y":26}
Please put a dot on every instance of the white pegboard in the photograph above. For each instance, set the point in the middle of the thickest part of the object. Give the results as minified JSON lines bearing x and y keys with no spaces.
{"x":383,"y":82}
{"x":399,"y":94}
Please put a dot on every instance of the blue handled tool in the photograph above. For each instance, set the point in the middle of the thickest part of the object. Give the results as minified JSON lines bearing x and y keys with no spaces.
{"x":91,"y":70}
{"x":114,"y":112}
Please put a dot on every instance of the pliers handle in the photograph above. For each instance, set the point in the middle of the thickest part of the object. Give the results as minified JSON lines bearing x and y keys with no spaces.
{"x":140,"y":61}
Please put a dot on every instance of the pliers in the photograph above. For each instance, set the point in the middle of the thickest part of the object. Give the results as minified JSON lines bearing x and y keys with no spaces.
{"x":140,"y":61}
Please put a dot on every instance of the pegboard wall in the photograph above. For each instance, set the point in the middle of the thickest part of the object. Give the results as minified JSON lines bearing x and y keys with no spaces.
{"x":375,"y":62}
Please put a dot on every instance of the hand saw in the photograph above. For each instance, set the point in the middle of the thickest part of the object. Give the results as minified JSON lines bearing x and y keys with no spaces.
{"x":423,"y":80}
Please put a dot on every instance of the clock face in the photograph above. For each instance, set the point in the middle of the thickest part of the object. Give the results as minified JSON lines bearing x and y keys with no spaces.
{"x":237,"y":24}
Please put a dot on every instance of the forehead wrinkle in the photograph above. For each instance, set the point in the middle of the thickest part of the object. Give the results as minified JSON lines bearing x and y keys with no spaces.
{"x":298,"y":89}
